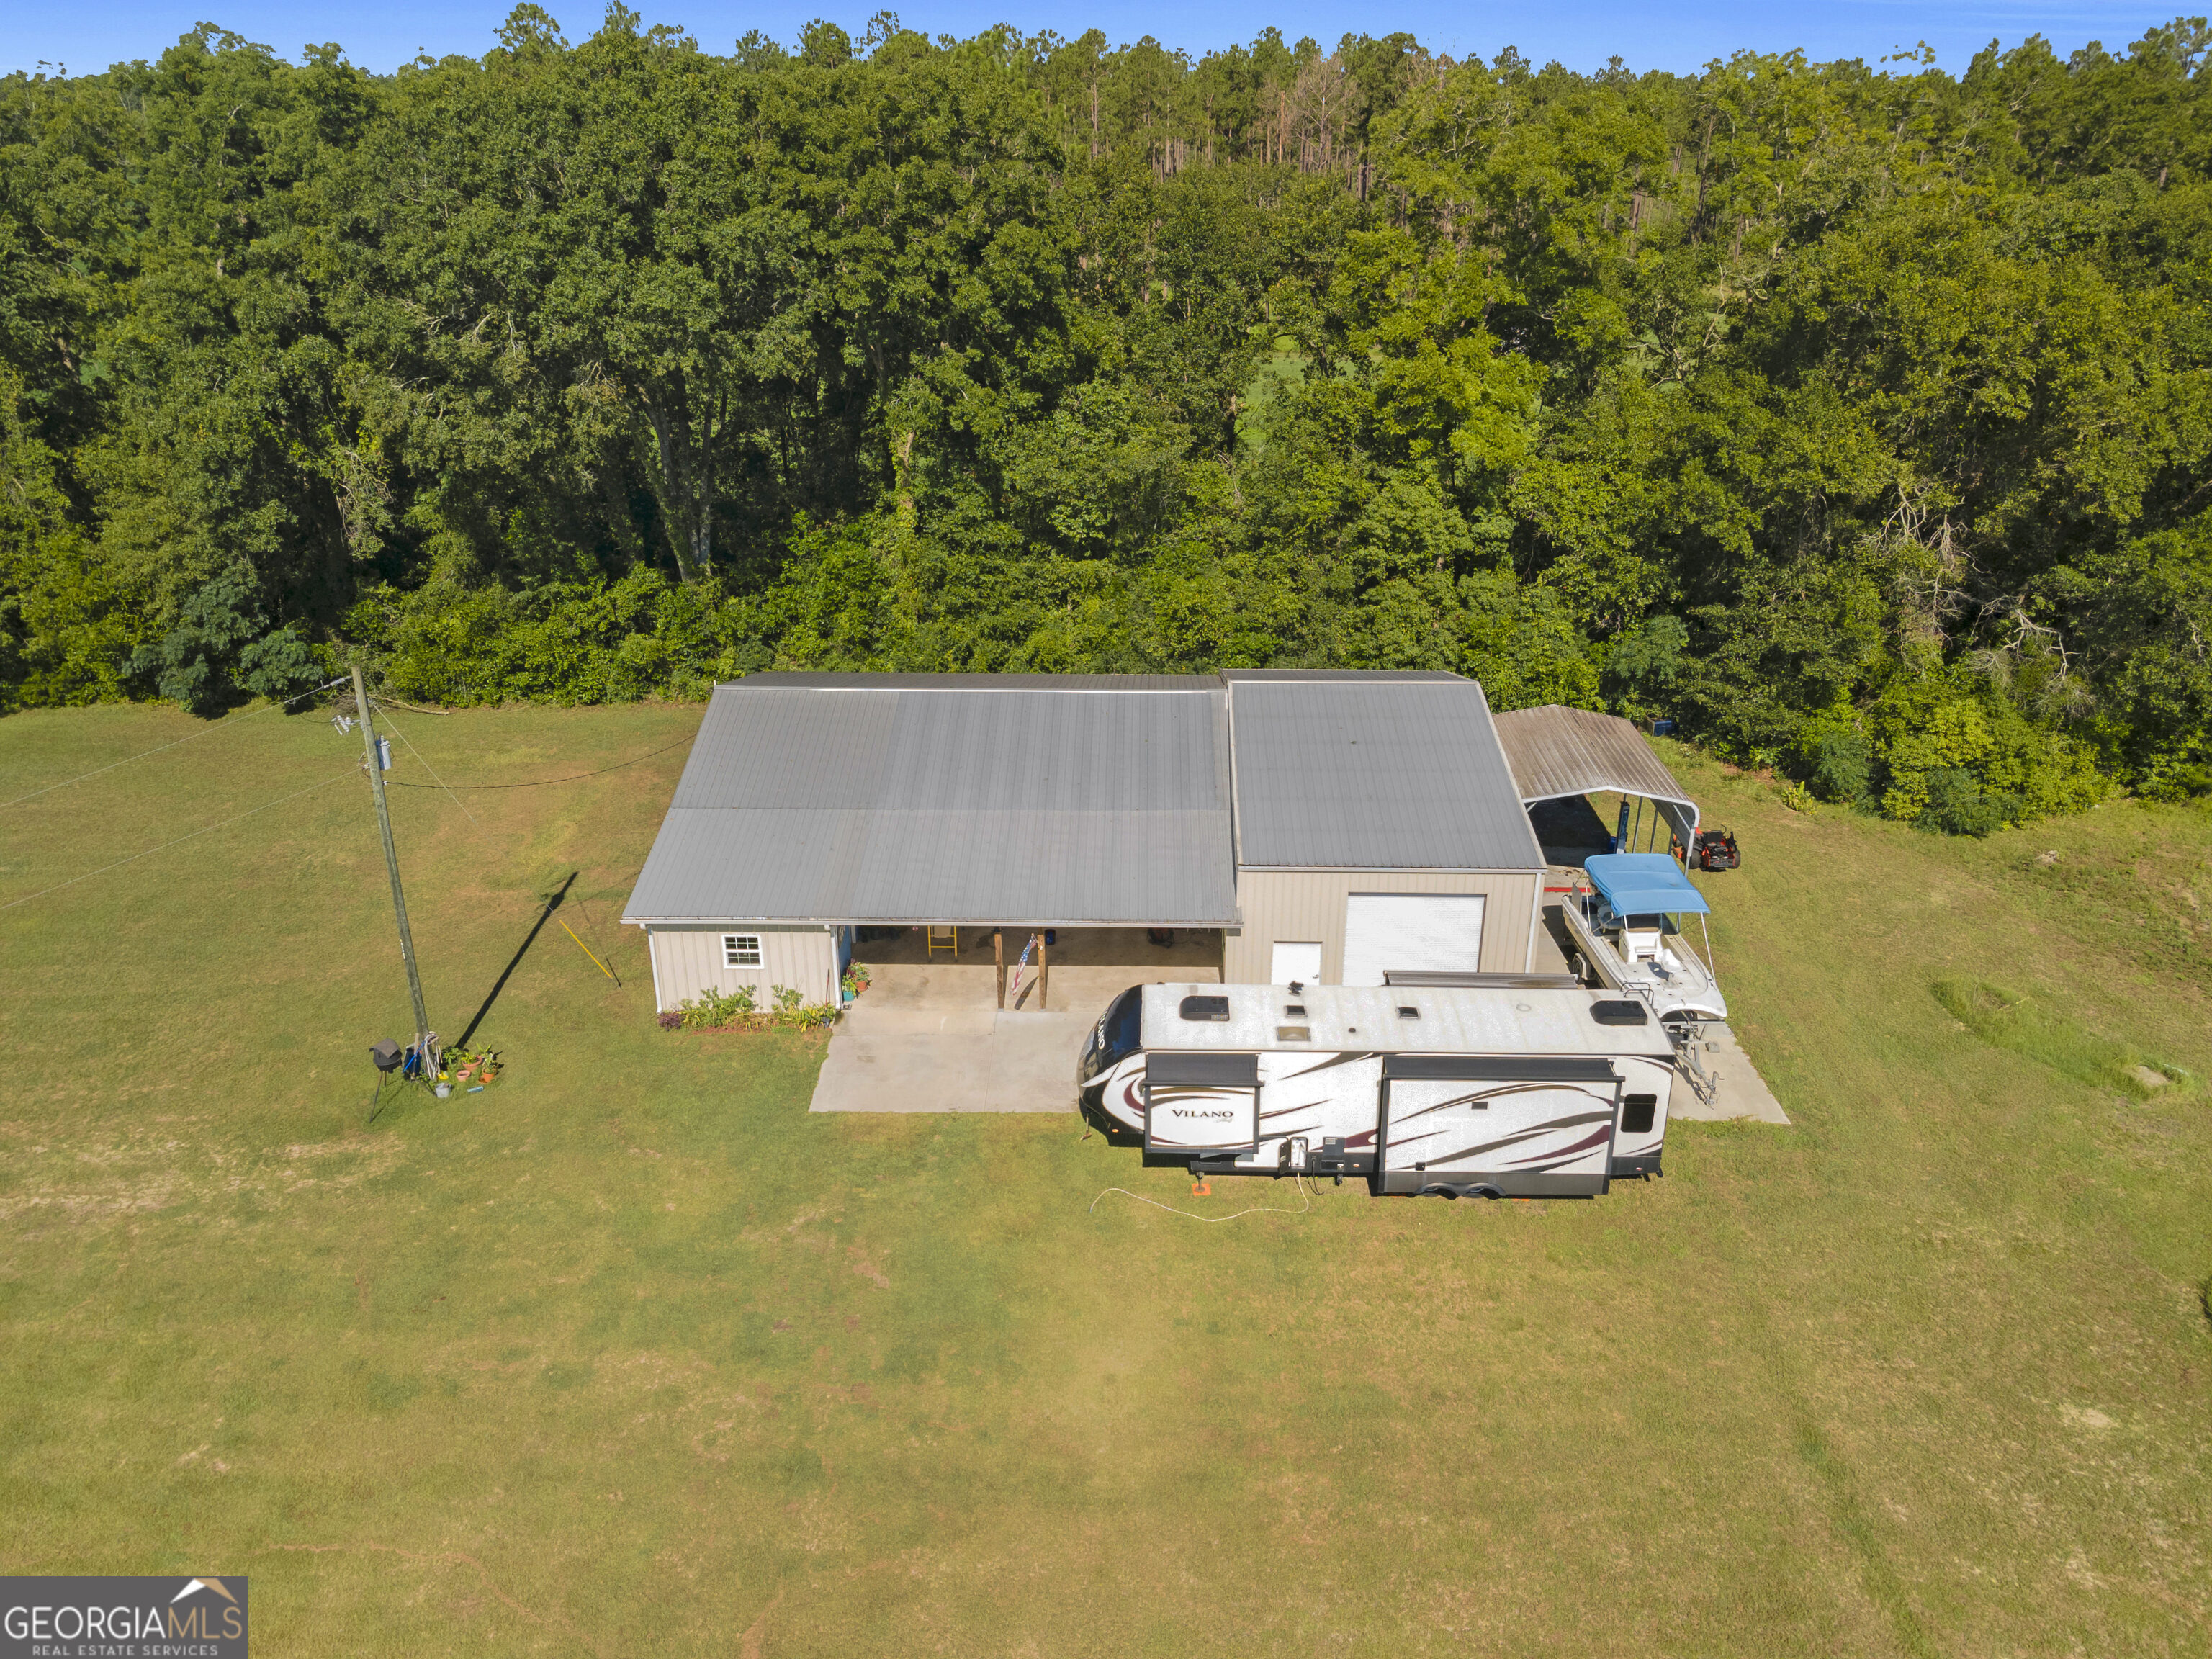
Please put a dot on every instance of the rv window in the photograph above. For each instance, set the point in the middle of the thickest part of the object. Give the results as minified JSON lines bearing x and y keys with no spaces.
{"x":1118,"y":1031}
{"x":1637,"y":1112}
{"x":1214,"y":1008}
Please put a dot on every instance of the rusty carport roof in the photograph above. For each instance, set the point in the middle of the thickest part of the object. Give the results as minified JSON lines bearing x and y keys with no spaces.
{"x":1556,"y":751}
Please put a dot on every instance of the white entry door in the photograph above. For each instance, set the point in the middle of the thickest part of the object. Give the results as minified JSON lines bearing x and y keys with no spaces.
{"x":1431,"y":932}
{"x":1295,"y":964}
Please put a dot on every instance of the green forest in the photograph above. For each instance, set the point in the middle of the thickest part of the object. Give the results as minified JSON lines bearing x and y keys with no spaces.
{"x":1856,"y":417}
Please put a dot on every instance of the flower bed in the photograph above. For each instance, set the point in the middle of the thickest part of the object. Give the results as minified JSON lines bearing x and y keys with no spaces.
{"x":738,"y":1010}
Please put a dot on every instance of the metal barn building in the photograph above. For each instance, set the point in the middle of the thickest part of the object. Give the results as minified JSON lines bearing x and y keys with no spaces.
{"x":1377,"y":828}
{"x":1327,"y":826}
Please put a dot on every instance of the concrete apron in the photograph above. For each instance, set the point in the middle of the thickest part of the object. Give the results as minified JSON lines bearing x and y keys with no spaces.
{"x":1742,"y":1092}
{"x":890,"y":1059}
{"x":929,"y":1037}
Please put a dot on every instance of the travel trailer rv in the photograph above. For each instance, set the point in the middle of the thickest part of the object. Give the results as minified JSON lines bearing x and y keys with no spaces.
{"x":1463,"y":1090}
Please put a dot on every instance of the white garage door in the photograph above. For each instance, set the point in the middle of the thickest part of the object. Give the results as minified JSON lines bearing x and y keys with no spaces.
{"x":1432,"y":932}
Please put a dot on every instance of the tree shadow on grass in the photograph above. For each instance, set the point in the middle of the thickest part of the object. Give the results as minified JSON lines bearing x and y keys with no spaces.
{"x":515,"y":961}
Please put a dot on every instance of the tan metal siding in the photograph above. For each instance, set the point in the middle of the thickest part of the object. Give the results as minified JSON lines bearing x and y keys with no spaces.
{"x":688,"y":960}
{"x":1299,"y":905}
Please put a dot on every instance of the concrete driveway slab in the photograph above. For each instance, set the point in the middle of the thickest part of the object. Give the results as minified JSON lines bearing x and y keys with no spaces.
{"x":1742,"y":1092}
{"x":951,"y":1060}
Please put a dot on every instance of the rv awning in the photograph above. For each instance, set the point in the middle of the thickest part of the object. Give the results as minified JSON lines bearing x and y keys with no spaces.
{"x":1644,"y":884}
{"x":1556,"y":752}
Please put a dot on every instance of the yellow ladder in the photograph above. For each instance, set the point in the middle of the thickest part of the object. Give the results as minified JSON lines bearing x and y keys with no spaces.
{"x":941,"y":939}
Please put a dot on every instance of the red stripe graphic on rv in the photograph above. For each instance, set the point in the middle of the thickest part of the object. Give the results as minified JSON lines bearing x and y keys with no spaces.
{"x":1400,"y":1148}
{"x":1596,"y":1138}
{"x":1513,"y":1140}
{"x":1130,"y":1086}
{"x":1491,"y":1094}
{"x":1333,"y":1061}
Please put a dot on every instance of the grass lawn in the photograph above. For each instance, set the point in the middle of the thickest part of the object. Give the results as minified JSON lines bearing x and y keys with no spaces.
{"x":630,"y":1354}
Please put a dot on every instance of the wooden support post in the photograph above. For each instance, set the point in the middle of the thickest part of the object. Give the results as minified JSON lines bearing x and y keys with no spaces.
{"x":999,"y":955}
{"x":1044,"y":974}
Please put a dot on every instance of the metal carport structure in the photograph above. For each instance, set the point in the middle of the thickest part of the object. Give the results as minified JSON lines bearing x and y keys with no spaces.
{"x":1556,"y":753}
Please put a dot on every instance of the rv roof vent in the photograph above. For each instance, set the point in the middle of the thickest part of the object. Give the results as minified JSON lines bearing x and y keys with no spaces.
{"x":1297,"y":1008}
{"x":1206,"y":1008}
{"x":1409,"y":1013}
{"x":1620,"y":1013}
{"x":1296,"y":1034}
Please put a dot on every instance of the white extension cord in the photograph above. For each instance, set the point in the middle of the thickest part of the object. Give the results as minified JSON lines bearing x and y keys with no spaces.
{"x":1257,"y":1209}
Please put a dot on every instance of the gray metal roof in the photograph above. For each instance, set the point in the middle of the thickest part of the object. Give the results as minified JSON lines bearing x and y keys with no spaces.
{"x":1365,"y":676}
{"x":986,"y":682}
{"x":1556,"y":751}
{"x":912,"y":798}
{"x":1376,"y":774}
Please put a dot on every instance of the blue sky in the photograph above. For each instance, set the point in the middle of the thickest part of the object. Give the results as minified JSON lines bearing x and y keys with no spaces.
{"x":89,"y":34}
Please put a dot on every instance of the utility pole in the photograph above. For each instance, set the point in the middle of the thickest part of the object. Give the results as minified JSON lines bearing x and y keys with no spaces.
{"x":392,"y":864}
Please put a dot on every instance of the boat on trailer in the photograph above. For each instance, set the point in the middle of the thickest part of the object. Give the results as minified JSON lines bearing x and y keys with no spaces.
{"x":1463,"y":1091}
{"x":1628,"y":923}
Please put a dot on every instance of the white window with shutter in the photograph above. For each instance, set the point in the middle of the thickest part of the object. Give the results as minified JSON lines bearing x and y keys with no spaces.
{"x":741,"y":950}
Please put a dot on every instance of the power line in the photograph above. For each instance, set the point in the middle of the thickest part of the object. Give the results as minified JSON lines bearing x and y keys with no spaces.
{"x":180,"y":840}
{"x":427,"y":767}
{"x":541,"y":782}
{"x":209,"y":731}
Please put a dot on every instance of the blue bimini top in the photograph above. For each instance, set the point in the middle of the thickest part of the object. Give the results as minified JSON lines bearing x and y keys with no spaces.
{"x":1644,"y":884}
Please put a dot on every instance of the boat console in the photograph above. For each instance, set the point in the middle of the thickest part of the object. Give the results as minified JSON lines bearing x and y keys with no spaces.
{"x":1628,"y":923}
